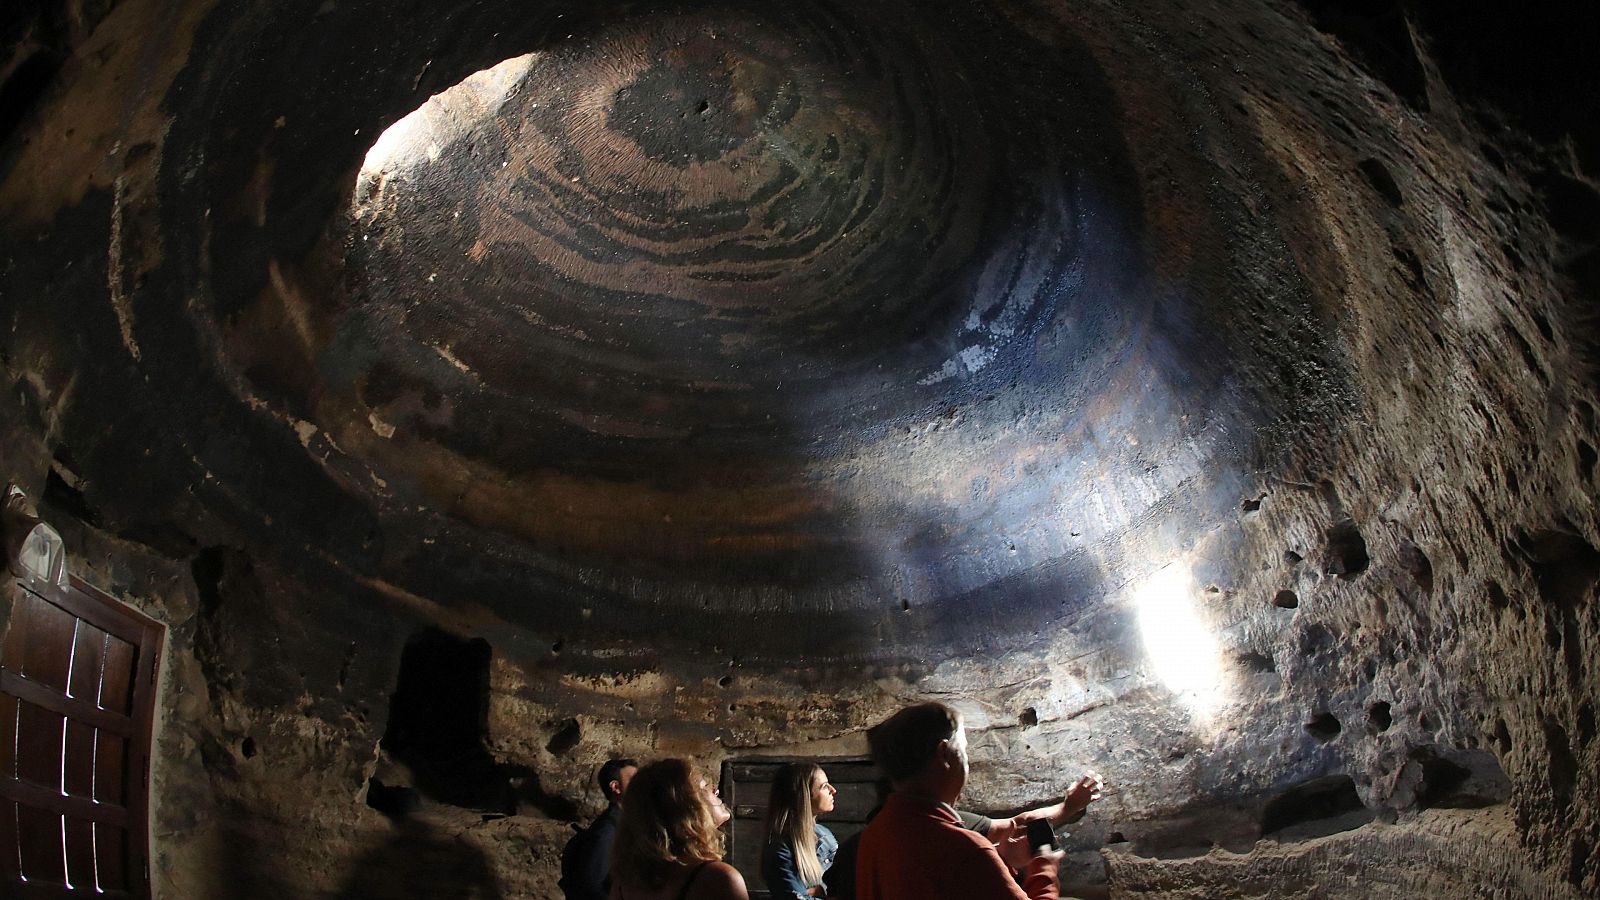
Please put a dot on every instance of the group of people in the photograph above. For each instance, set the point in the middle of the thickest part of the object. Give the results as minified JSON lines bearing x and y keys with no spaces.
{"x":660,"y":838}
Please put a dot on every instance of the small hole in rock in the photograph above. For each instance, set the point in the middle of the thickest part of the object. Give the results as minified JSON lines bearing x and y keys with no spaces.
{"x":1252,"y":504}
{"x":1259,"y":663}
{"x":1380,"y":716}
{"x":1029,"y":718}
{"x":566,"y":738}
{"x":1116,"y":837}
{"x":704,"y":107}
{"x":1586,"y":459}
{"x":1497,"y":595}
{"x":394,"y":802}
{"x":1324,"y":727}
{"x":1292,"y":558}
{"x":724,"y":681}
{"x":1417,"y":565}
{"x":1286,"y":600}
{"x":1378,"y":176}
{"x":557,"y":647}
{"x":905,"y":605}
{"x":1502,"y":736}
{"x":247,"y":748}
{"x":1347,"y":550}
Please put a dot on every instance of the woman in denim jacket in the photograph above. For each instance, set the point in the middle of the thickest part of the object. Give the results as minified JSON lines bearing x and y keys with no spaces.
{"x":798,"y":849}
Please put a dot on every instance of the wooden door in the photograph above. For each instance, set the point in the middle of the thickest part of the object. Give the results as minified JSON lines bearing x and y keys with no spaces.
{"x":77,"y":676}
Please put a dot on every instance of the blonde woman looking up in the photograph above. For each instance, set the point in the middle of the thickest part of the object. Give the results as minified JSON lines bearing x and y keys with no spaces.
{"x":668,"y":843}
{"x":798,"y":849}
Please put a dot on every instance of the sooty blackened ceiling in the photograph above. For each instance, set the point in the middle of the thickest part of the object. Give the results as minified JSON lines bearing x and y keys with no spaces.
{"x":854,"y":328}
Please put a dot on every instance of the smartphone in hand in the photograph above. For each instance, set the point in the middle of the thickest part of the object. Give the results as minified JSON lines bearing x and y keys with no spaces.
{"x":1040,"y":835}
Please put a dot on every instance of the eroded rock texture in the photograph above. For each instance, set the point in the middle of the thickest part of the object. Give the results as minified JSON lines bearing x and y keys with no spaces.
{"x":1202,"y":393}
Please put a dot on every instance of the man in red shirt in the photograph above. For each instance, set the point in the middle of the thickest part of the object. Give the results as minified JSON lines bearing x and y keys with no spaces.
{"x":916,"y":848}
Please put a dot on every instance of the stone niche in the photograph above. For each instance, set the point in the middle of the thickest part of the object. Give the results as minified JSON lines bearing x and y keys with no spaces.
{"x":1200,"y":393}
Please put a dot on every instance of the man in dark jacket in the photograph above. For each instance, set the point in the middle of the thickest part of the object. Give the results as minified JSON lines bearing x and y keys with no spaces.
{"x":586,"y":861}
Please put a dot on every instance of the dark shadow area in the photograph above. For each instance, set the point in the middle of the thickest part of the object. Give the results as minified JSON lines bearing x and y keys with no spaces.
{"x":419,"y":861}
{"x":1377,"y":34}
{"x":1466,"y":779}
{"x":1324,"y":727}
{"x":438,"y":720}
{"x":1346,"y":550}
{"x":1314,"y":809}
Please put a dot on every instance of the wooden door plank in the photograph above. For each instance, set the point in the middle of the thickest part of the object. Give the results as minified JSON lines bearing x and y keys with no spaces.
{"x":8,"y":840}
{"x":31,"y":796}
{"x":111,"y":857}
{"x":88,"y":658}
{"x":110,"y":769}
{"x":38,"y":891}
{"x":8,"y":736}
{"x":46,"y":642}
{"x":39,"y":746}
{"x":80,"y":855}
{"x":72,"y":707}
{"x":77,"y":760}
{"x":116,"y":685}
{"x":39,"y":835}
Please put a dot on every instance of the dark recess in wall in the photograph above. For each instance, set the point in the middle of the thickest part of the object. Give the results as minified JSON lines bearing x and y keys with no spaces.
{"x":1315,"y":808}
{"x":1347,"y":549}
{"x":438,"y":721}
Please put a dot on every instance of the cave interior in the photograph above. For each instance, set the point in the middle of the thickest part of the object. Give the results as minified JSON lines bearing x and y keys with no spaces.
{"x":1201,"y":392}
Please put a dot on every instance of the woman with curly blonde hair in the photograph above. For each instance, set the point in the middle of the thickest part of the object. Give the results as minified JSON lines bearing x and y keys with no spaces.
{"x":668,"y":844}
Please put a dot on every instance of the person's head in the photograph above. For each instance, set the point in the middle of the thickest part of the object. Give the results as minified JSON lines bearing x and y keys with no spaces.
{"x":922,"y":745}
{"x":800,"y":792}
{"x":614,"y":777}
{"x":671,"y":816}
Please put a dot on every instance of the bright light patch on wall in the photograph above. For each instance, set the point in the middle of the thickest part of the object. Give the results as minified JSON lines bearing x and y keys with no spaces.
{"x":419,"y":138}
{"x":1183,"y":651}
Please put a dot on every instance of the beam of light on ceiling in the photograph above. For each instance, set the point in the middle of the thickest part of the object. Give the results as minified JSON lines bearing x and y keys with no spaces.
{"x":420,"y":136}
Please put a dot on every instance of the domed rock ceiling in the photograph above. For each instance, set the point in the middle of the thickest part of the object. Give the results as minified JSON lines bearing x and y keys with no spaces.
{"x":1193,"y":393}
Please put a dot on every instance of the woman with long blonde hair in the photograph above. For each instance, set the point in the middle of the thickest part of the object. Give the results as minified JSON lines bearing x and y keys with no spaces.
{"x":669,"y":846}
{"x":798,"y":849}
